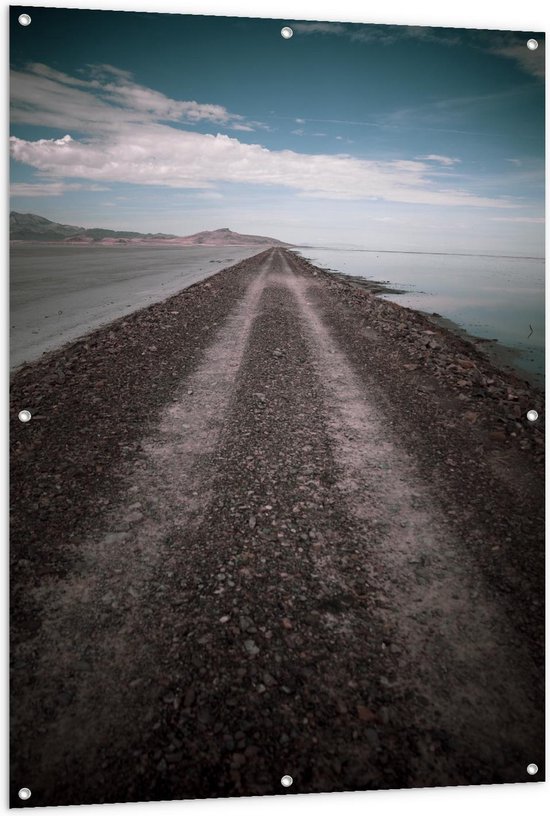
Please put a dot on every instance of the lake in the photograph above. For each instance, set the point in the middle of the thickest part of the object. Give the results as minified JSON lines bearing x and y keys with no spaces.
{"x":494,"y":297}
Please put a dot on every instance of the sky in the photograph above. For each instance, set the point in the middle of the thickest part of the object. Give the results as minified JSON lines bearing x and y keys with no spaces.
{"x":383,"y":137}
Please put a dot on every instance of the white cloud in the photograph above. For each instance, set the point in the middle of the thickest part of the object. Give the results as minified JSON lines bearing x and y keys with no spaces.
{"x":447,"y":161}
{"x":164,"y":156}
{"x":521,"y":220}
{"x":43,"y":96}
{"x":124,"y":132}
{"x":378,"y":34}
{"x":319,"y":28}
{"x":50,"y":188}
{"x":100,"y":70}
{"x":531,"y":62}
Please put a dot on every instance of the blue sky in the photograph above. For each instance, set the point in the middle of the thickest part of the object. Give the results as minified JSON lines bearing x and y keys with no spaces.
{"x":378,"y":136}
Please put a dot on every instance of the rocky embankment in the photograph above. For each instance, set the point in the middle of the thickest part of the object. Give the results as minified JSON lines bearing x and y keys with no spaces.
{"x":483,"y":389}
{"x":273,"y":525}
{"x":465,"y":420}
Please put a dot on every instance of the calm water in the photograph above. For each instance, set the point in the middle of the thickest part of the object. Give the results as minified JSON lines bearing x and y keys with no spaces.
{"x":492,"y":297}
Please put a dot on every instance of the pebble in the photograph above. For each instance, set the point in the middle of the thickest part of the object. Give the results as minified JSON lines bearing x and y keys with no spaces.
{"x":115,"y":538}
{"x":372,"y":737}
{"x":246,"y":624}
{"x":229,"y":742}
{"x":251,"y":648}
{"x":134,"y":517}
{"x":189,"y":698}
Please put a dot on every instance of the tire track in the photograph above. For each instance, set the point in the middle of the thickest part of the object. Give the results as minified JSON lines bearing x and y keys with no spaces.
{"x":446,"y":627}
{"x":286,"y":684}
{"x":110,"y":621}
{"x":275,"y":590}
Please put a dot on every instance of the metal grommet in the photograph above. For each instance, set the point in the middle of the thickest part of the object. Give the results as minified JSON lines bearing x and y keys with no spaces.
{"x":287,"y":32}
{"x":532,"y":45}
{"x":24,"y":20}
{"x":286,"y":781}
{"x":532,"y":415}
{"x":24,"y":416}
{"x":532,"y":769}
{"x":24,"y":793}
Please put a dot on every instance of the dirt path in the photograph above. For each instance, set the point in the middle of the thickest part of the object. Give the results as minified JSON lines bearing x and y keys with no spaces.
{"x":277,"y":583}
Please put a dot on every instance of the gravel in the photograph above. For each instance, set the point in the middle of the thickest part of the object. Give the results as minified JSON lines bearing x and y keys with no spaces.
{"x":272,"y":525}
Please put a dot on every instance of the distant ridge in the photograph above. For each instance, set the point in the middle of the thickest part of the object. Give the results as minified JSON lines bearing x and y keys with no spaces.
{"x":30,"y":227}
{"x":225,"y":237}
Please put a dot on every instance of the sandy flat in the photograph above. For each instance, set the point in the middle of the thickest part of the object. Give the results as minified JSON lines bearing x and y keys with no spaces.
{"x":59,"y":293}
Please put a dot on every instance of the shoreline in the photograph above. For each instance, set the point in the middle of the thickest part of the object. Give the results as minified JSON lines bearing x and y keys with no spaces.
{"x":482,"y":390}
{"x":502,"y":356}
{"x":499,"y":354}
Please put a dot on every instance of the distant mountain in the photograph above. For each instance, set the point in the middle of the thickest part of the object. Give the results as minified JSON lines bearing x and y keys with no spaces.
{"x":29,"y":227}
{"x":225,"y":237}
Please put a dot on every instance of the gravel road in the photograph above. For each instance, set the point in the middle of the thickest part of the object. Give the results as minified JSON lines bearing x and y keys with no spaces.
{"x":273,"y":525}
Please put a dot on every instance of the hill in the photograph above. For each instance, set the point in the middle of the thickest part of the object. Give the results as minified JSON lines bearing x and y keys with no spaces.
{"x":30,"y":227}
{"x":226,"y":237}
